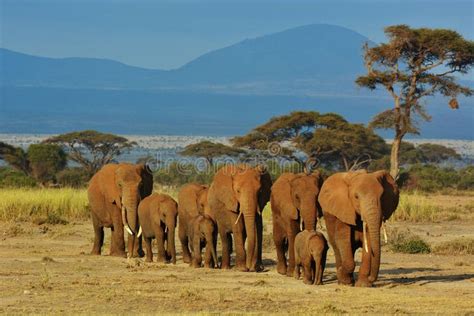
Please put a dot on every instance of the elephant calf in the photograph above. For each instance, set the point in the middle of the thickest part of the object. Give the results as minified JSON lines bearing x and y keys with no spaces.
{"x":203,"y":234}
{"x":310,"y":252}
{"x":157,"y":215}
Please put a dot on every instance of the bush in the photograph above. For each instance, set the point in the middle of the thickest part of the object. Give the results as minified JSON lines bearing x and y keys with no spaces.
{"x":72,"y":177}
{"x":431,"y":178}
{"x":10,"y":178}
{"x":406,"y":242}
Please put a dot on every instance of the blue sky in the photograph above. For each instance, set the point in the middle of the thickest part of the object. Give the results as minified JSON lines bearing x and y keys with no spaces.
{"x":167,"y":34}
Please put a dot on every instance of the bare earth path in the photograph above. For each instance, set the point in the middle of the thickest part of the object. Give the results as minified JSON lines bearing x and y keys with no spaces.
{"x":48,"y":270}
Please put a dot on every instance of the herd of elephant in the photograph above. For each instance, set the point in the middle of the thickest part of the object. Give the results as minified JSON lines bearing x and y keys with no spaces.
{"x":354,"y":205}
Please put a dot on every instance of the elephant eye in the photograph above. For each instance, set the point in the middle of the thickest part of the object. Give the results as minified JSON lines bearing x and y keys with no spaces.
{"x":356,"y":196}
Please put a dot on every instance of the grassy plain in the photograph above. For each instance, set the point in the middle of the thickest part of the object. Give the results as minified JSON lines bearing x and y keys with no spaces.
{"x":45,"y":266}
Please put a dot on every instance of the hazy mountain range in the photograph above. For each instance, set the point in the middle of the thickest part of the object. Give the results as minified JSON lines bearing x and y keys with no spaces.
{"x":224,"y":92}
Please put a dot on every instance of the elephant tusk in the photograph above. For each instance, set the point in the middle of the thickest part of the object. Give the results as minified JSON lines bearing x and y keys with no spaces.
{"x":366,"y":248}
{"x":166,"y":229}
{"x":125,"y":222}
{"x":301,"y":225}
{"x":238,"y":217}
{"x":384,"y":233}
{"x":128,"y":230}
{"x":139,"y":231}
{"x":320,"y":225}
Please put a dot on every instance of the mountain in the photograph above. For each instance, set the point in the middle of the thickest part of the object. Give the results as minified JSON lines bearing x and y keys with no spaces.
{"x":291,"y":61}
{"x":224,"y":92}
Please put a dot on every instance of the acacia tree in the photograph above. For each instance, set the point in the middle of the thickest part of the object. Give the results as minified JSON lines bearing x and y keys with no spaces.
{"x":415,"y":64}
{"x":45,"y":161}
{"x":307,"y":136}
{"x":15,"y":157}
{"x":91,"y":149}
{"x":209,"y":150}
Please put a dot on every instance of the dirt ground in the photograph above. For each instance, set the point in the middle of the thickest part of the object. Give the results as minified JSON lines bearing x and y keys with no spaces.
{"x":48,"y":269}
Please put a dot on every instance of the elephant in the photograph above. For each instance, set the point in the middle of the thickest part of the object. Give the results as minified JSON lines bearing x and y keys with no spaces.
{"x":311,"y":249}
{"x":294,"y":201}
{"x":236,"y":198}
{"x":203,"y":233}
{"x":114,"y":193}
{"x":355,"y":205}
{"x":157,"y":214}
{"x":192,"y":200}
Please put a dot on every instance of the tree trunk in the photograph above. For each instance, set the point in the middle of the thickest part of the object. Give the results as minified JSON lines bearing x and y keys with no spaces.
{"x":395,"y":155}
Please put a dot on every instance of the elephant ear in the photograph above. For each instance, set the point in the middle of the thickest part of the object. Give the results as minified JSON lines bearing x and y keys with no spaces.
{"x":334,"y":198}
{"x":265,"y":189}
{"x":390,"y":195}
{"x":108,"y":184}
{"x":281,"y":192}
{"x":222,"y":188}
{"x":147,"y":180}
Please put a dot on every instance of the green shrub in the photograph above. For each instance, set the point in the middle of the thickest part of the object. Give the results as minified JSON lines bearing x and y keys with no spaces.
{"x":10,"y":178}
{"x":72,"y":177}
{"x":432,"y":178}
{"x":406,"y":242}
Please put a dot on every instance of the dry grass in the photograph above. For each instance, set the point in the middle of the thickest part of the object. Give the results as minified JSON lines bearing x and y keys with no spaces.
{"x":422,"y":207}
{"x":459,"y":246}
{"x":48,"y":205}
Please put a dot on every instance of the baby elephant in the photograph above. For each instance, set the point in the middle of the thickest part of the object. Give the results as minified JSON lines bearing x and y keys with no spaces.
{"x":310,"y":252}
{"x":203,"y":234}
{"x":157,"y":214}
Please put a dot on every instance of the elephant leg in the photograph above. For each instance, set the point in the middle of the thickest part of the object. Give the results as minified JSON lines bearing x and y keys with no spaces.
{"x":297,"y":267}
{"x":149,"y":250}
{"x":259,"y":222}
{"x":239,"y":242}
{"x":137,"y":246}
{"x":197,"y":257}
{"x":208,"y":263}
{"x":307,"y":273}
{"x":117,"y":246}
{"x":347,"y":265}
{"x":98,"y":235}
{"x":226,"y":244}
{"x":291,"y":234}
{"x":318,"y":271}
{"x":364,"y":269}
{"x":183,"y":238}
{"x":279,"y":237}
{"x":160,"y":241}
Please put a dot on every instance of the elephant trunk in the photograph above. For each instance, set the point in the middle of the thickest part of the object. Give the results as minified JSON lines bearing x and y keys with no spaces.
{"x":171,"y":247}
{"x":309,"y":219}
{"x":373,"y":220}
{"x":130,"y":217}
{"x":251,"y":230}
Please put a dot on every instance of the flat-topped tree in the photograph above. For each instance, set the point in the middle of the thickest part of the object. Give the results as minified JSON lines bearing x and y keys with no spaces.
{"x":209,"y":150}
{"x":328,"y":138}
{"x":92,"y":149}
{"x":15,"y":157}
{"x":415,"y":64}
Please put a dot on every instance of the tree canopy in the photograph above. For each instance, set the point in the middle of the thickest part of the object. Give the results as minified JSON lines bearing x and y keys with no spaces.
{"x":209,"y":150}
{"x":414,"y":64}
{"x":92,"y":149}
{"x":328,"y":138}
{"x":45,"y":161}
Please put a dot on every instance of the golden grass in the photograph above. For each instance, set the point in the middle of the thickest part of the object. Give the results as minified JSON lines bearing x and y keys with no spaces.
{"x":459,"y":246}
{"x":33,"y":204}
{"x":422,"y":207}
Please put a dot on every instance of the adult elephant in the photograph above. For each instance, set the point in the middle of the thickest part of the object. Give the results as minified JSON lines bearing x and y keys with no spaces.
{"x":192,"y":200}
{"x":157,"y":214}
{"x":114,"y":194}
{"x":236,"y":197}
{"x":355,"y":204}
{"x":294,"y":202}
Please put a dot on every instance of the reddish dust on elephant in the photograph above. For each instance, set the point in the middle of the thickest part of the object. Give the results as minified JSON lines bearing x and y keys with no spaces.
{"x":236,"y":197}
{"x":114,"y":194}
